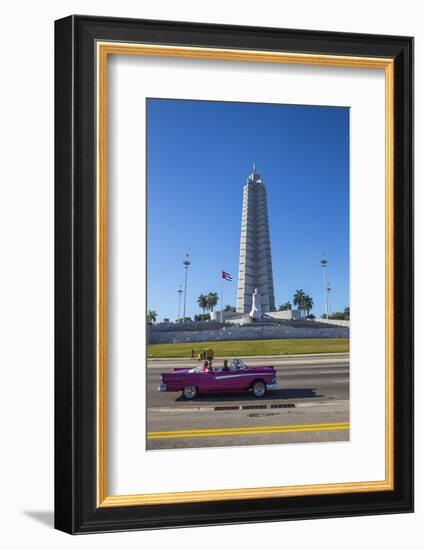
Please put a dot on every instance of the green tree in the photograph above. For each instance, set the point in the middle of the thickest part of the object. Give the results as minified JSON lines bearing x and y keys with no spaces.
{"x":347,"y":313}
{"x":202,"y":317}
{"x":202,"y":300}
{"x":229,"y":308}
{"x":184,"y":320}
{"x":307,"y":304}
{"x":298,"y":297}
{"x":285,"y":307}
{"x":339,"y":315}
{"x":151,"y":317}
{"x":212,"y":300}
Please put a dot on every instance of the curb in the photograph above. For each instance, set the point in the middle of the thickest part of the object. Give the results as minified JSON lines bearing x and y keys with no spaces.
{"x":222,"y":408}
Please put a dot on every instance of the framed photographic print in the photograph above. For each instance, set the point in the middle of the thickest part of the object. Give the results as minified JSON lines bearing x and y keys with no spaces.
{"x":234,"y":274}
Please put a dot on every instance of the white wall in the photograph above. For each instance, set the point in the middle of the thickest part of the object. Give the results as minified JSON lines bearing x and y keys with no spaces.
{"x":337,"y":322}
{"x":26,"y":273}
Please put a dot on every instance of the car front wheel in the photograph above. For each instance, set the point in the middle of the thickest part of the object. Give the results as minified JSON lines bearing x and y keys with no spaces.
{"x":190,"y":392}
{"x":259,"y":388}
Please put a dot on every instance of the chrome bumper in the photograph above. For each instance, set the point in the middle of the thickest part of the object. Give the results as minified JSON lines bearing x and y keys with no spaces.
{"x":162,"y":387}
{"x":272,"y":386}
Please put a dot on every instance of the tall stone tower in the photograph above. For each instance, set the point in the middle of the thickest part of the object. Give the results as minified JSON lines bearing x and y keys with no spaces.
{"x":255,"y":267}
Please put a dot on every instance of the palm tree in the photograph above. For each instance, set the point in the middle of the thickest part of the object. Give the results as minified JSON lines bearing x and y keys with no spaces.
{"x":229,"y":308}
{"x":212,"y":300}
{"x":307,"y":304}
{"x":151,"y":317}
{"x":285,"y":307}
{"x":202,"y":300}
{"x":298,"y":298}
{"x":347,"y":313}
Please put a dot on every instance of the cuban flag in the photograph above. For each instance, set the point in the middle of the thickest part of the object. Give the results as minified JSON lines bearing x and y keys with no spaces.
{"x":226,"y":276}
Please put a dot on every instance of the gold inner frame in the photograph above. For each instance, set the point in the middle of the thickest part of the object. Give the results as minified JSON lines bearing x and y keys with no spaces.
{"x":104,"y":49}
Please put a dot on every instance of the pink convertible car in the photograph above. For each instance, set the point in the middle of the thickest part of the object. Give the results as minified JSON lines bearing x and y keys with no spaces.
{"x":237,"y":377}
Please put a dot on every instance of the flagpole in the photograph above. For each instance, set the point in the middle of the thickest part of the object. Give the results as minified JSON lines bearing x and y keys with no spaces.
{"x":222,"y":296}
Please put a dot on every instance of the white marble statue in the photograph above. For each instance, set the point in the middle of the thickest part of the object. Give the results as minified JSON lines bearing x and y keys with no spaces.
{"x":256,"y":311}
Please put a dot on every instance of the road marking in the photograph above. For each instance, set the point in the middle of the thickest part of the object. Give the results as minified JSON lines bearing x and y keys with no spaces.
{"x":341,"y":371}
{"x":258,"y":430}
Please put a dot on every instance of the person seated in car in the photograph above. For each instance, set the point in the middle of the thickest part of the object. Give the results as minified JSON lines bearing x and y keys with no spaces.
{"x":225,"y":367}
{"x":205,"y":367}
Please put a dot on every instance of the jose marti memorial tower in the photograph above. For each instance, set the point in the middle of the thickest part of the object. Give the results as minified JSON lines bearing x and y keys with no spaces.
{"x":255,"y":265}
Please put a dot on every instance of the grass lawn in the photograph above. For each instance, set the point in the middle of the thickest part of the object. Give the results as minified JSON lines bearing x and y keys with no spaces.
{"x":244,"y":348}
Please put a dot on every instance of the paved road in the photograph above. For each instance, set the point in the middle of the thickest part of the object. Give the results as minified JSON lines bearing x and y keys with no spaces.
{"x":311,"y":404}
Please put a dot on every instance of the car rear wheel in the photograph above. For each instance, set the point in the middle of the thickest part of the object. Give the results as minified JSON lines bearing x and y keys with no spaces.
{"x":259,"y":388}
{"x":190,"y":392}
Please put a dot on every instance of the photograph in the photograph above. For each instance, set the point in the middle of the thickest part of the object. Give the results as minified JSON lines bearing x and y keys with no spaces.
{"x":233,"y":268}
{"x":248,"y":310}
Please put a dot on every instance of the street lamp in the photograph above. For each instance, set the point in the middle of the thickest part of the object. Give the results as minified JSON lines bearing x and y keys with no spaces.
{"x":329,"y":299}
{"x":186,"y":264}
{"x":324,"y":263}
{"x":180,"y":291}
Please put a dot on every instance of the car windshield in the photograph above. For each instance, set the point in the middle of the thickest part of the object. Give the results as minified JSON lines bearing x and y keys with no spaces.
{"x":196,"y":369}
{"x":237,"y":364}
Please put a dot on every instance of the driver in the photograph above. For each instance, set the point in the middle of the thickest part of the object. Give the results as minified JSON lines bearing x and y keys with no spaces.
{"x":225,"y":367}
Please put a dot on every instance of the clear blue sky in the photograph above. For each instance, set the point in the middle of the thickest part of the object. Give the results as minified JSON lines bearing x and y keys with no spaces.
{"x":199,"y":155}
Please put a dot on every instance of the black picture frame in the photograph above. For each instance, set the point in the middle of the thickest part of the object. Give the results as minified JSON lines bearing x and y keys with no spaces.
{"x":76,"y":510}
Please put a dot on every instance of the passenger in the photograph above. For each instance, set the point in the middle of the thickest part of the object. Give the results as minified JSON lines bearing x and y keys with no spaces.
{"x":205,"y":367}
{"x":225,"y":367}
